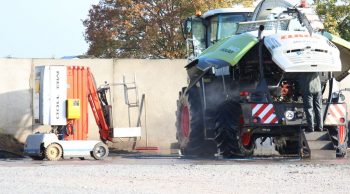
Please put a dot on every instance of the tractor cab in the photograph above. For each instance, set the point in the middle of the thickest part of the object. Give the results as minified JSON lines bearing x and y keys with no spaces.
{"x":202,"y":31}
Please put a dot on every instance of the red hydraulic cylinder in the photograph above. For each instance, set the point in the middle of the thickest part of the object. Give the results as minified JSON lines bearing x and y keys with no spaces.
{"x":96,"y":107}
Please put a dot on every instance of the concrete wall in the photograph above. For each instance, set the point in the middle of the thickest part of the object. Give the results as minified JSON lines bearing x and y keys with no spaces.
{"x":16,"y":97}
{"x":159,"y":80}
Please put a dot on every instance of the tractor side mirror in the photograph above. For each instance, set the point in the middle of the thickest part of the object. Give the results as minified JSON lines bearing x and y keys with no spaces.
{"x":187,"y":27}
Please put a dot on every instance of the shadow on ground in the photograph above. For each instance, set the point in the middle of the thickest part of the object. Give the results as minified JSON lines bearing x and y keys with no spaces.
{"x":10,"y":147}
{"x":9,"y":155}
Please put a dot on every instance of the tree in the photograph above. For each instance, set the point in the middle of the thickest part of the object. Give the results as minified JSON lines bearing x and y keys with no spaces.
{"x":344,"y":28}
{"x":142,"y":29}
{"x":110,"y":31}
{"x":336,"y":16}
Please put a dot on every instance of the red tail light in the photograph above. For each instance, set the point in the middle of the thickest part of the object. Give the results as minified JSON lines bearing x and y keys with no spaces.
{"x":244,"y":93}
{"x":241,"y":119}
{"x":256,"y":120}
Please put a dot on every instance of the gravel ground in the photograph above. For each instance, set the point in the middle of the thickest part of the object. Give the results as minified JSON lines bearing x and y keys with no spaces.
{"x":173,"y":175}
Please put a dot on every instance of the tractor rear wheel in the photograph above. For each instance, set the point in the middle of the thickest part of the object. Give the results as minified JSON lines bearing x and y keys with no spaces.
{"x":189,"y":124}
{"x":230,"y":140}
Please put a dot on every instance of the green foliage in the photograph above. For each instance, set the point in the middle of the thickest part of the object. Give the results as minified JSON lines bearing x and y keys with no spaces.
{"x":336,"y":16}
{"x":142,"y":29}
{"x":344,"y":28}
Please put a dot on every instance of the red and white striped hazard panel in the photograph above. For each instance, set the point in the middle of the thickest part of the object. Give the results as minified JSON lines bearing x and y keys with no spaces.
{"x":335,"y":113}
{"x":265,"y":112}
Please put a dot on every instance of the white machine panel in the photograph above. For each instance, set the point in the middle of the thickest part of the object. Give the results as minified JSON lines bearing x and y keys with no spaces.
{"x":127,"y":132}
{"x":52,"y":94}
{"x":300,"y":52}
{"x":58,"y":95}
{"x":77,"y":148}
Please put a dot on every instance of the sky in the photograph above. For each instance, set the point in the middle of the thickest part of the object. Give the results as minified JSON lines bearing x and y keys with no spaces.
{"x":43,"y":28}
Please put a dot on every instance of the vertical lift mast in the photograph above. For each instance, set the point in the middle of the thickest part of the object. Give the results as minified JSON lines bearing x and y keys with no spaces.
{"x":60,"y":101}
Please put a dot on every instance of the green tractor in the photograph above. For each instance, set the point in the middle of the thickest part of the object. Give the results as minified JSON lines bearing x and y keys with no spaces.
{"x":243,"y":70}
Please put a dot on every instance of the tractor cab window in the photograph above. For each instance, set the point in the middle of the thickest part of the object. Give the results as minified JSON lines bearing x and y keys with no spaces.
{"x":198,"y":36}
{"x":222,"y":26}
{"x":194,"y":32}
{"x":213,"y":29}
{"x":228,"y":25}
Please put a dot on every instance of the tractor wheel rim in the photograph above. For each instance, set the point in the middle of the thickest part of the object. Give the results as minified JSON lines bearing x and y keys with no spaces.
{"x":246,"y":138}
{"x":185,"y":124}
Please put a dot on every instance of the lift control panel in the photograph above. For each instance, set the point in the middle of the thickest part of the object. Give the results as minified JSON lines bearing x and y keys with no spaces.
{"x":73,"y":109}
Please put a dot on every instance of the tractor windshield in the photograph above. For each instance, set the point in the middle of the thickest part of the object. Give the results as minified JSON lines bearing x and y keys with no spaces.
{"x":222,"y":26}
{"x":201,"y":32}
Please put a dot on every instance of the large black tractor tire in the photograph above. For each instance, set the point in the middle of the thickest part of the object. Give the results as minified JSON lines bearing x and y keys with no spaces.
{"x":190,"y":127}
{"x":228,"y":132}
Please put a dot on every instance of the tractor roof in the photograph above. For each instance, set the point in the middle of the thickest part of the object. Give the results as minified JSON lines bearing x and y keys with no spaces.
{"x":266,"y":7}
{"x":226,"y":10}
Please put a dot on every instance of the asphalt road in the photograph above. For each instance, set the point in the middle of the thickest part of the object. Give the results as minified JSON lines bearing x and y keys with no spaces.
{"x":156,"y":158}
{"x":154,"y":173}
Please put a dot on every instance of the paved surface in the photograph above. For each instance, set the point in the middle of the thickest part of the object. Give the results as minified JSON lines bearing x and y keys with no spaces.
{"x":153,"y":173}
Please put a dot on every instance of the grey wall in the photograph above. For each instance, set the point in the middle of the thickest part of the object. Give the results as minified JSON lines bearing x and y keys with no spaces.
{"x":159,"y":80}
{"x":15,"y":97}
